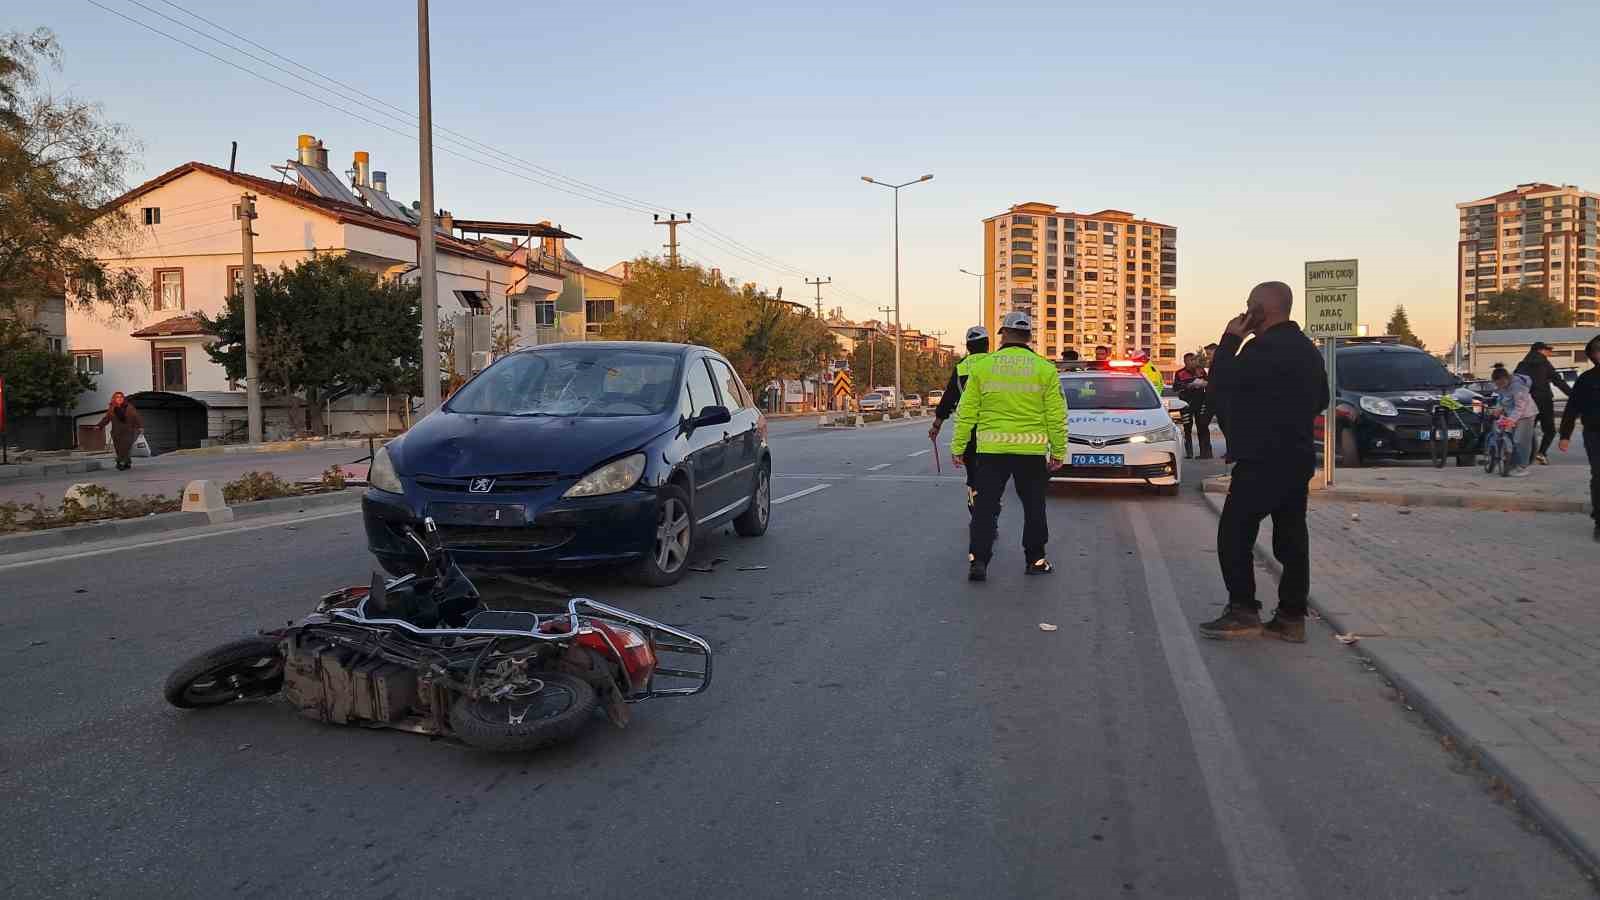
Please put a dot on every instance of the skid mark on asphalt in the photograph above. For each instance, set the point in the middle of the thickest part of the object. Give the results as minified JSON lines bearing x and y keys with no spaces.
{"x":801,"y":493}
{"x":1257,"y":853}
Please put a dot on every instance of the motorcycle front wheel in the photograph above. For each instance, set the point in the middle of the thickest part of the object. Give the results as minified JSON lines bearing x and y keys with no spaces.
{"x":238,"y":670}
{"x":553,"y":711}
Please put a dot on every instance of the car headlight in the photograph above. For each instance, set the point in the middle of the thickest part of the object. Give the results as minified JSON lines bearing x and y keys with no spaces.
{"x":610,"y":478}
{"x":381,"y":474}
{"x":1379,"y":406}
{"x":1164,"y":433}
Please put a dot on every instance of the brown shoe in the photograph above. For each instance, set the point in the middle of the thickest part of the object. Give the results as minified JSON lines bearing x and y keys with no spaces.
{"x":1235,"y":622}
{"x":1286,"y":628}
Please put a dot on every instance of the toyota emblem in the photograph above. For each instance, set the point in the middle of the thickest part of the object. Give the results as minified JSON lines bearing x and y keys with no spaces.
{"x":481,"y":485}
{"x":1094,"y":443}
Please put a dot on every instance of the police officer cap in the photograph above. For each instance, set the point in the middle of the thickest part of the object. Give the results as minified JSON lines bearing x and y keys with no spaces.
{"x":1017,"y":321}
{"x":977,"y":333}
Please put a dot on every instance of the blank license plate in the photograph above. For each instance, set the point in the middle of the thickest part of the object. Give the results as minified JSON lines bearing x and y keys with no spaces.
{"x":1097,"y":459}
{"x":478,"y":514}
{"x":1454,"y":434}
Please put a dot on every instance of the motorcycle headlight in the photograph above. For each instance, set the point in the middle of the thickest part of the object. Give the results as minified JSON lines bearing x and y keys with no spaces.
{"x":1379,"y":406}
{"x":381,"y":474}
{"x":610,"y":478}
{"x":1164,"y":433}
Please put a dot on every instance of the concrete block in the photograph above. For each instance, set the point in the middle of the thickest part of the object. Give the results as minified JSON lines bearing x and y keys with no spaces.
{"x":205,"y":496}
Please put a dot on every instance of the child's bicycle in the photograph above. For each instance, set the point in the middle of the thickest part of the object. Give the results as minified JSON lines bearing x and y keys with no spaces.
{"x":1440,"y":434}
{"x":1499,"y":449}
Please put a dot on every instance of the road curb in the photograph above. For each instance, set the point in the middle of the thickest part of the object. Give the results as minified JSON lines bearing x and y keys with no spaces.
{"x":1218,"y":484}
{"x":75,"y":535}
{"x":1560,"y":803}
{"x":280,"y":447}
{"x":21,"y":471}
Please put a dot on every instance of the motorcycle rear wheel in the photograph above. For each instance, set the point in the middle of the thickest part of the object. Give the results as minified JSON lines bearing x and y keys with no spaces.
{"x":555,"y":713}
{"x":238,"y":670}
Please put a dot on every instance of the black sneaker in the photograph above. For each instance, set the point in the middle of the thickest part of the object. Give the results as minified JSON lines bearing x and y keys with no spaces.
{"x":1597,"y":532}
{"x":1286,"y":628}
{"x":1235,"y":622}
{"x":1040,"y":567}
{"x":977,"y":570}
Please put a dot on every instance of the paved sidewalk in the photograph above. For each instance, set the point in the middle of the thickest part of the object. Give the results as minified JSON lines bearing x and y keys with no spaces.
{"x":1490,"y":623}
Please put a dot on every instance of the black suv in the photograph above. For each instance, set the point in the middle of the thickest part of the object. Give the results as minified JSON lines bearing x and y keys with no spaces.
{"x":1386,"y":394}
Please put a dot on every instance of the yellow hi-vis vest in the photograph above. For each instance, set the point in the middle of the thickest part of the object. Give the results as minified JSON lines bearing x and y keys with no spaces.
{"x":1016,"y":394}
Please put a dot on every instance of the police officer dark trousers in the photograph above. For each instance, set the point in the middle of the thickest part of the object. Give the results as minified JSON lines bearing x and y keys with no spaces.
{"x":977,"y":348}
{"x":1013,"y":410}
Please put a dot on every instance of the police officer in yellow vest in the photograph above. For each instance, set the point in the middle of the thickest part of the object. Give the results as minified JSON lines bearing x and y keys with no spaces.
{"x":1012,"y":408}
{"x":977,"y":348}
{"x":1150,"y":372}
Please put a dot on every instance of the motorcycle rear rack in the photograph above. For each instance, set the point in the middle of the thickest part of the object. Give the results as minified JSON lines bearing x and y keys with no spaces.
{"x":663,"y":638}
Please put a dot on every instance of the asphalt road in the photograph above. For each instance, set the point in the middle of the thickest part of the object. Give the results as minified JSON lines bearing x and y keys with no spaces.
{"x":878,"y":728}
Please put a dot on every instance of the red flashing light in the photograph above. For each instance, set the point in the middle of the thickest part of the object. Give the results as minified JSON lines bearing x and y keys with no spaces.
{"x":1123,"y":364}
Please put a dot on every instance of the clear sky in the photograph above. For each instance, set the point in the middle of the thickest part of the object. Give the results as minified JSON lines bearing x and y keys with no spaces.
{"x":1268,"y":133}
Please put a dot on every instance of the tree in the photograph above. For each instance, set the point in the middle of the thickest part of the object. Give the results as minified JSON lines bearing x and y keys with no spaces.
{"x":1519,"y":308}
{"x":60,"y":164}
{"x":326,"y":329}
{"x":685,"y":304}
{"x":1400,"y":326}
{"x":36,"y":376}
{"x":783,"y":341}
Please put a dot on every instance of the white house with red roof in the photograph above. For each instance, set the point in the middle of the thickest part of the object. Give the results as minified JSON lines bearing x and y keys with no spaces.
{"x":187,"y":247}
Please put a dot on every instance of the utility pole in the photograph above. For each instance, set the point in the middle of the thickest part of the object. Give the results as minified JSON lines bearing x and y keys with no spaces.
{"x":672,"y":222}
{"x":427,"y":266}
{"x":872,"y":357}
{"x":252,"y":344}
{"x":822,"y":376}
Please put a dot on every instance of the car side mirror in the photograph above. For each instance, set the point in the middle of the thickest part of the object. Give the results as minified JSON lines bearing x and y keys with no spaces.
{"x":711,"y":415}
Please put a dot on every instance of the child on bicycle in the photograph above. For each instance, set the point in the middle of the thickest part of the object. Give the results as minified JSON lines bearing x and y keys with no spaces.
{"x":1514,"y":397}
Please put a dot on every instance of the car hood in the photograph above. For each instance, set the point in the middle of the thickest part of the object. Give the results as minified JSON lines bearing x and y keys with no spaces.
{"x":1115,"y":422}
{"x":1413,"y":397}
{"x":460,"y":445}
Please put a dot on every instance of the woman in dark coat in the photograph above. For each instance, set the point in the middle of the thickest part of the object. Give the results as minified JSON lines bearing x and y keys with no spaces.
{"x":125,"y":427}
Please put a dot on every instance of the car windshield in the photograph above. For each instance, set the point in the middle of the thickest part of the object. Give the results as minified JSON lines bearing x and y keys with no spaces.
{"x":1109,"y":392}
{"x":573,"y":381}
{"x":873,"y":397}
{"x":1392,"y":372}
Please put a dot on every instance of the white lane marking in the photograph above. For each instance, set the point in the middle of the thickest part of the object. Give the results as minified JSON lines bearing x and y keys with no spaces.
{"x":209,"y":533}
{"x":879,"y":466}
{"x":918,"y":453}
{"x":1256,"y":850}
{"x":798,"y":494}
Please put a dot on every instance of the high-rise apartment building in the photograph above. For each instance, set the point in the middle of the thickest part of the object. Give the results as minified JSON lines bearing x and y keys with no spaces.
{"x":1535,"y":236}
{"x":1088,"y":279}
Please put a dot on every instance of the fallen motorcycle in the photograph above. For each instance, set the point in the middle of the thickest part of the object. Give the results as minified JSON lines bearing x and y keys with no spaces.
{"x":425,"y":653}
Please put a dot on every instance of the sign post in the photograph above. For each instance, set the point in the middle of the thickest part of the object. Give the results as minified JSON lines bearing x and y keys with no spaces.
{"x":5,"y":458}
{"x":1331,"y":314}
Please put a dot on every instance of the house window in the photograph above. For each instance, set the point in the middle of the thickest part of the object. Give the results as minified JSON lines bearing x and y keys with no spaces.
{"x":236,"y":279}
{"x":171,"y":371}
{"x":544,"y":313}
{"x":89,"y":362}
{"x":476,"y":301}
{"x":598,"y":312}
{"x":55,"y":344}
{"x":169,"y":289}
{"x":152,"y":215}
{"x":516,"y":313}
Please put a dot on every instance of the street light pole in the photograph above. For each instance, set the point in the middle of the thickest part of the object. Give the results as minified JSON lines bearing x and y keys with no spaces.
{"x":427,"y":266}
{"x":899,"y":391}
{"x":980,"y":276}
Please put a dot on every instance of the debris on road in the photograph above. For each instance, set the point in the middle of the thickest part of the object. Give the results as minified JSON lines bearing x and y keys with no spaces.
{"x":1355,"y":517}
{"x":1346,"y":638}
{"x":1046,"y":626}
{"x":752,"y":568}
{"x":1404,"y":511}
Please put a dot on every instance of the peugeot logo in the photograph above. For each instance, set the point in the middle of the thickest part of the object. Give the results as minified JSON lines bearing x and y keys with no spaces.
{"x":481,"y":485}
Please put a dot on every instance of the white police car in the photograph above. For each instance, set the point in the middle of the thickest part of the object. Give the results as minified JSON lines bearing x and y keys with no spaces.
{"x":1119,"y":431}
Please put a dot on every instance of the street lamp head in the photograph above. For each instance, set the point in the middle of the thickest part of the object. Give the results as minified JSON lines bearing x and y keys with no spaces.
{"x":868,"y":179}
{"x":926,"y":178}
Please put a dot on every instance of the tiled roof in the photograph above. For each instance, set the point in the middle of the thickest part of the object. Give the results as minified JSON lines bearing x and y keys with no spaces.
{"x":1520,"y":190}
{"x":177,"y":325}
{"x":291,"y":193}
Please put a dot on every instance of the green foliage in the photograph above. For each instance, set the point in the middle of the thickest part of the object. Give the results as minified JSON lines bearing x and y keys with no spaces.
{"x":1400,"y":326}
{"x":872,"y":364}
{"x":257,"y":486}
{"x":783,"y":340}
{"x":325,"y":326}
{"x":99,"y":504}
{"x":36,"y":377}
{"x":334,"y":477}
{"x":686,"y":305}
{"x":60,"y":164}
{"x":1520,"y":308}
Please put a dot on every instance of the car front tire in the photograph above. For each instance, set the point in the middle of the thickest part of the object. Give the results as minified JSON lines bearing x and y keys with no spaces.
{"x":753,"y":521}
{"x":667,"y":557}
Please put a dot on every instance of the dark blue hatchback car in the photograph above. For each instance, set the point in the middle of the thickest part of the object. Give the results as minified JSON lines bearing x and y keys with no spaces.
{"x":579,"y":454}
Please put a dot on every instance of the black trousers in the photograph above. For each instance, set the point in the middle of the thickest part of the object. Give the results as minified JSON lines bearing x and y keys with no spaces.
{"x":969,"y":460}
{"x":1190,"y":419}
{"x":1547,"y":422}
{"x":1032,"y":478}
{"x":1259,"y":490}
{"x":1591,"y":446}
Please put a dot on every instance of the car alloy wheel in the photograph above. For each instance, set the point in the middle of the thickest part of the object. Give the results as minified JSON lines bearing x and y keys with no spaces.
{"x":672,"y":535}
{"x":763,"y":499}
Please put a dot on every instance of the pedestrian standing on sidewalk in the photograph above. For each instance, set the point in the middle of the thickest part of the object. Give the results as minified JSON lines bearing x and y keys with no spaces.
{"x":1191,"y":383}
{"x":1543,"y":375}
{"x":1583,"y":401}
{"x":1012,"y":407}
{"x":125,"y":428}
{"x":1517,"y":404}
{"x":1272,"y":389}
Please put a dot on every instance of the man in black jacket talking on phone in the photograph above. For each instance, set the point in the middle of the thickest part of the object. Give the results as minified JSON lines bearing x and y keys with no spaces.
{"x":1271,"y":389}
